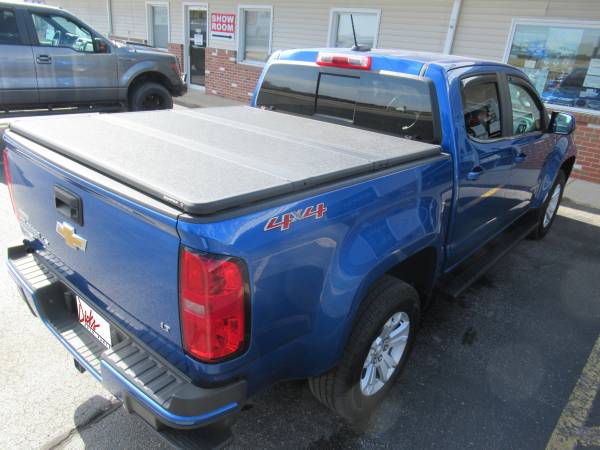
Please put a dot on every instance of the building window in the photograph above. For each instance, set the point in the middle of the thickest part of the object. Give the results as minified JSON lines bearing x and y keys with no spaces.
{"x":366,"y":25}
{"x":255,"y":33}
{"x":562,"y":59}
{"x":158,"y":24}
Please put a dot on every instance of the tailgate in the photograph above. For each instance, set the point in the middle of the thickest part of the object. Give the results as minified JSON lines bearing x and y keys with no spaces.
{"x":124,"y":248}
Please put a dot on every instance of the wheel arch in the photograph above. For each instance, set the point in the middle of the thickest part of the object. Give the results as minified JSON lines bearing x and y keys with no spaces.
{"x":149,"y":76}
{"x":567,"y":166}
{"x":419,"y":270}
{"x":561,"y":158}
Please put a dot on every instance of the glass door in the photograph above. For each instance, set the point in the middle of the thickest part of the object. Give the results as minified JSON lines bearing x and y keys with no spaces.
{"x":197,"y":37}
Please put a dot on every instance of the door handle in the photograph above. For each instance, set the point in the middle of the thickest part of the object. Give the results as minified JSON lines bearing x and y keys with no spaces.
{"x":474,"y":174}
{"x":68,"y":204}
{"x":521,"y":157}
{"x":43,"y":59}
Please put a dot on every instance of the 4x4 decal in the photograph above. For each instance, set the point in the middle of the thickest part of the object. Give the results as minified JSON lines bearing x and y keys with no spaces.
{"x":284,"y":221}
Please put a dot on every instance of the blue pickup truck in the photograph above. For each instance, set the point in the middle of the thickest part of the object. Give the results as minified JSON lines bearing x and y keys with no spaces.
{"x":190,"y":258}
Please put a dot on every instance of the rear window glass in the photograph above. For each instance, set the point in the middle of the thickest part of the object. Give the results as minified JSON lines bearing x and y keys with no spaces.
{"x":337,"y":96}
{"x":398,"y":105}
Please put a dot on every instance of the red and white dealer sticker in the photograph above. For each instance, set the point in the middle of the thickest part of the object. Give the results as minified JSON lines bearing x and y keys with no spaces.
{"x":94,"y":323}
{"x":285,"y":221}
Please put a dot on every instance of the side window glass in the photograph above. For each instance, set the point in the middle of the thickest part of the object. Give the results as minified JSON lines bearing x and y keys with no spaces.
{"x":527,"y":115}
{"x":9,"y":31}
{"x":58,"y":31}
{"x":481,"y":109}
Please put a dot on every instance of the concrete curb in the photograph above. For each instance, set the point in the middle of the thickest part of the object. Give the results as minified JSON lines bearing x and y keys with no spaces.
{"x":195,"y":99}
{"x":583,"y":193}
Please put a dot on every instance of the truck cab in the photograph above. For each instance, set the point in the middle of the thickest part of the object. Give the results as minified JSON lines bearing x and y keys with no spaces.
{"x":487,"y":116}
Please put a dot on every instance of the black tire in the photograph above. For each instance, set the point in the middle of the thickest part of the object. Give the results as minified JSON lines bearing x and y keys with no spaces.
{"x":150,"y":96}
{"x":543,"y":226}
{"x":339,"y":388}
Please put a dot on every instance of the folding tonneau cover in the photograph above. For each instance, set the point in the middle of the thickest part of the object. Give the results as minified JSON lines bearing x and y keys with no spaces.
{"x":209,"y":160}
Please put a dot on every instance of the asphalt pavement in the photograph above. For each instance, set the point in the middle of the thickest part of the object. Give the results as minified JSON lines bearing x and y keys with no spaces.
{"x":499,"y":368}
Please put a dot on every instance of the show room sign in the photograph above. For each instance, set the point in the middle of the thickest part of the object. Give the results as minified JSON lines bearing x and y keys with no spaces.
{"x":222,"y":26}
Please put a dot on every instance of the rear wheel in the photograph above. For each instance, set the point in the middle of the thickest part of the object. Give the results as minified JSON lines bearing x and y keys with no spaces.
{"x":548,"y":211}
{"x":150,"y":96}
{"x":376,"y":352}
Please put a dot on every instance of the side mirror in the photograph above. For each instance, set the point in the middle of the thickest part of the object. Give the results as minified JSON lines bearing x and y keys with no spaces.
{"x":561,"y":123}
{"x":100,"y":46}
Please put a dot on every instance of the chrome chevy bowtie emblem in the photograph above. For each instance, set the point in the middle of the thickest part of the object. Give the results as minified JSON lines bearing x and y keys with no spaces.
{"x":71,"y":238}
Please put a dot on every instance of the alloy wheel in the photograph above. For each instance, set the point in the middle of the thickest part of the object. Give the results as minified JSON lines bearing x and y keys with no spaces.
{"x":385,"y":354}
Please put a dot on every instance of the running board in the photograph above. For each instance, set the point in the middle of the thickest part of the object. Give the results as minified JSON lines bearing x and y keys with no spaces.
{"x":469,"y":271}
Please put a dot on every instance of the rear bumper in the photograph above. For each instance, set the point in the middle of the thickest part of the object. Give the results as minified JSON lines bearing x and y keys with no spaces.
{"x":147,"y":384}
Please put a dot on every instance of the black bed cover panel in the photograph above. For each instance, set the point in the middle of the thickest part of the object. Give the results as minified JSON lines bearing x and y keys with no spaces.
{"x":208,"y":160}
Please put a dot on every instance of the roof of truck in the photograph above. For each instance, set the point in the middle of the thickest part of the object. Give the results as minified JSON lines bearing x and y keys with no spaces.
{"x":28,"y":5}
{"x":212,"y":159}
{"x":405,"y":61}
{"x":429,"y":57}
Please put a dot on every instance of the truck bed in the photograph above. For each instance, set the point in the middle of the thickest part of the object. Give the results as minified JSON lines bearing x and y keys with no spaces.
{"x":208,"y":160}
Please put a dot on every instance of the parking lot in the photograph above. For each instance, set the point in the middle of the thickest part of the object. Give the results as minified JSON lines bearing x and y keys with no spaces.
{"x":515,"y":363}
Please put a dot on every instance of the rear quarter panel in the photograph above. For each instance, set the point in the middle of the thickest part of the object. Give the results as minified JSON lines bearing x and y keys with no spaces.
{"x":307,"y":282}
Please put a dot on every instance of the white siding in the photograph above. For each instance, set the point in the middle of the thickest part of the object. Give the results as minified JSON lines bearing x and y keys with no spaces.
{"x":404,"y":24}
{"x":484,"y":25}
{"x":415,"y":25}
{"x":176,"y":17}
{"x":92,"y":12}
{"x":482,"y":30}
{"x":129,"y":19}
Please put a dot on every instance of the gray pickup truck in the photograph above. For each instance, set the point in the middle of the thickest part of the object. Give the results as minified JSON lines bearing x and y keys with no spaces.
{"x":50,"y":59}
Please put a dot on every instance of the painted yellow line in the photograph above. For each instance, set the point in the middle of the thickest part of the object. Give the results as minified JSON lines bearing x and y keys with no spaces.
{"x":490,"y":192}
{"x":570,"y":430}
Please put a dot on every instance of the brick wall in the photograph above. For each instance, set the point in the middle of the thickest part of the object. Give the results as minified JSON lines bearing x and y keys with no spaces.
{"x":587,"y":139}
{"x":177,"y":50}
{"x":227,"y":78}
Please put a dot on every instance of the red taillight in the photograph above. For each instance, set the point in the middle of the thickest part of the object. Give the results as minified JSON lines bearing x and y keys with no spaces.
{"x":348,"y":61}
{"x":212,"y":303}
{"x":8,"y":180}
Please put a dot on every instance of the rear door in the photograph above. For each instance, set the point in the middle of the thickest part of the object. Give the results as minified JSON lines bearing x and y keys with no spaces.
{"x":18,"y":85}
{"x":70,"y":68}
{"x":484,"y":205}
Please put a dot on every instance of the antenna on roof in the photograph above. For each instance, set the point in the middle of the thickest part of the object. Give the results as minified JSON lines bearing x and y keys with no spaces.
{"x":356,"y":47}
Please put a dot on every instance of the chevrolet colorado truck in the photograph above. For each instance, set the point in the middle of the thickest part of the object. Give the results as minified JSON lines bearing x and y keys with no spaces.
{"x":189,"y":259}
